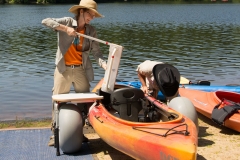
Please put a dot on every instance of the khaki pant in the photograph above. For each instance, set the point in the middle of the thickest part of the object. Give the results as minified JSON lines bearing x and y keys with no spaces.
{"x":75,"y":77}
{"x":72,"y":76}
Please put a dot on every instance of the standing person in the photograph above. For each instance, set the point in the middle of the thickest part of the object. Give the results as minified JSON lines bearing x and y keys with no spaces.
{"x":73,"y":65}
{"x":155,"y":76}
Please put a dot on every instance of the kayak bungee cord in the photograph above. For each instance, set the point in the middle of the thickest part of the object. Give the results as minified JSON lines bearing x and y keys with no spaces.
{"x":184,"y":132}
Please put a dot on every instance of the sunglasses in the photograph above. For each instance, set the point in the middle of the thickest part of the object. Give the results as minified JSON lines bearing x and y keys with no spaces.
{"x":92,"y":16}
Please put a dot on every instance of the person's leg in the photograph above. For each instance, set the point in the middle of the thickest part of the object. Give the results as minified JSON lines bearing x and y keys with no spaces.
{"x":62,"y":84}
{"x":81,"y":85}
{"x":80,"y":81}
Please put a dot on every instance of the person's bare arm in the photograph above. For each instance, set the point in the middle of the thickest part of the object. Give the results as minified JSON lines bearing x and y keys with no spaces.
{"x":142,"y":79}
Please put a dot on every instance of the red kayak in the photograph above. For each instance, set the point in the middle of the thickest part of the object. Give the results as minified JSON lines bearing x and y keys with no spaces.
{"x":226,"y":106}
{"x":163,"y":134}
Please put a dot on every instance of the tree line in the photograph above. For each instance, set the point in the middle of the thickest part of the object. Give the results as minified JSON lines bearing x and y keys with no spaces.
{"x":99,"y":1}
{"x":37,"y":1}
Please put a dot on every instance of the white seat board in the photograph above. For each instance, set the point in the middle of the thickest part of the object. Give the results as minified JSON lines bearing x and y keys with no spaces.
{"x":77,"y":97}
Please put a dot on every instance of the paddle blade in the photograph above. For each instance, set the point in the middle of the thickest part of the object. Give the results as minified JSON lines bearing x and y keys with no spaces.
{"x":98,"y":86}
{"x":184,"y":80}
{"x":204,"y":83}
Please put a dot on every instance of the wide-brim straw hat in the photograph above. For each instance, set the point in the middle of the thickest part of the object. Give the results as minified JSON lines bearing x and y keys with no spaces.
{"x":89,"y":4}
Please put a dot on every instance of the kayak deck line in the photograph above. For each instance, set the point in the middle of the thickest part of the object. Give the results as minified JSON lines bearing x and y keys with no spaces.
{"x":184,"y":132}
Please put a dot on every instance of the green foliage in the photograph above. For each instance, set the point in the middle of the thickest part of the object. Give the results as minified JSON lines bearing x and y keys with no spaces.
{"x":25,"y":123}
{"x":42,"y":1}
{"x":110,"y":1}
{"x":18,"y":1}
{"x":51,"y":1}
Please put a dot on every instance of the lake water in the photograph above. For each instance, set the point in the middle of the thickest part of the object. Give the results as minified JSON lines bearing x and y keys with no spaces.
{"x":201,"y":40}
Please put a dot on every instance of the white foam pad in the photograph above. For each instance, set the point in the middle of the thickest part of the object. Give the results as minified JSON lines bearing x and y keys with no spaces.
{"x":76,"y":97}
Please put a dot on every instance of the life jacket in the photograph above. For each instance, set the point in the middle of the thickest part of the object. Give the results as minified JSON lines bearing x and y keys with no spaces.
{"x":220,"y":115}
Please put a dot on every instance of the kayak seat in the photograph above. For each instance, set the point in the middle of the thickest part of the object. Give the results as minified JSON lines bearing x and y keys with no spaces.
{"x":106,"y":100}
{"x":127,"y":102}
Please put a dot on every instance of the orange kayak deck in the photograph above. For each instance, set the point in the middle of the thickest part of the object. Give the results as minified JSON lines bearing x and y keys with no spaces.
{"x":145,"y":140}
{"x":205,"y":102}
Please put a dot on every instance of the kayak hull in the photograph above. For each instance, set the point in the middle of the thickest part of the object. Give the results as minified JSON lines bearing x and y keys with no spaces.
{"x":146,"y":140}
{"x":205,"y":102}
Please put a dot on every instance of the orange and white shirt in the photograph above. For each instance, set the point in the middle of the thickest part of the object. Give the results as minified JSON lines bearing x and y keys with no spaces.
{"x":73,"y":55}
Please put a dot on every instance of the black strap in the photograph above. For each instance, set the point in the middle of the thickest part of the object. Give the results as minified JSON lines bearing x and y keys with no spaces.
{"x":220,"y":115}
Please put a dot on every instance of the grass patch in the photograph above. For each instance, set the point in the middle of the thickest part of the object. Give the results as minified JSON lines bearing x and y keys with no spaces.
{"x":25,"y":123}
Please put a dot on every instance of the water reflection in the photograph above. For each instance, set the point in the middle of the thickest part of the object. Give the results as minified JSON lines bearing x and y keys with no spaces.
{"x":201,"y":40}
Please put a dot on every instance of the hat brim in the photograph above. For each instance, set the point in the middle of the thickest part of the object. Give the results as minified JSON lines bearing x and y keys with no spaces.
{"x":74,"y":10}
{"x":167,"y":91}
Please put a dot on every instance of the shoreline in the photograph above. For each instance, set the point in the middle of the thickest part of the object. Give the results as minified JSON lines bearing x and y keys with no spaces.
{"x":214,"y":142}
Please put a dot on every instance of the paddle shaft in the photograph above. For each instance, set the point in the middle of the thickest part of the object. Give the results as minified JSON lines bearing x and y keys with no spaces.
{"x":184,"y":80}
{"x":95,"y":39}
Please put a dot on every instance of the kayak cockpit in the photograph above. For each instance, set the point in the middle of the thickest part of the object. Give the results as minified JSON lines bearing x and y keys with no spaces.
{"x":232,"y":96}
{"x":131,"y":104}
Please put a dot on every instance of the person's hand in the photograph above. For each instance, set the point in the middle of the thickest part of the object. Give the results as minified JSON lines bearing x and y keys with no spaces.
{"x":144,"y":89}
{"x":104,"y":66}
{"x":70,"y":31}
